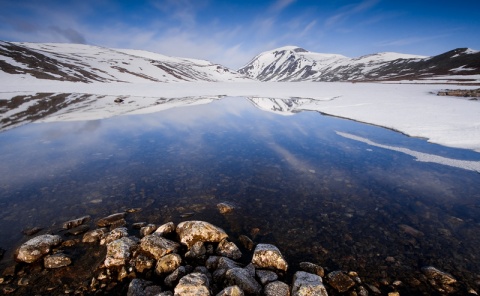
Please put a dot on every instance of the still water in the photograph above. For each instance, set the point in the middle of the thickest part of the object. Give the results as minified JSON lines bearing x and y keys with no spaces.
{"x":295,"y":180}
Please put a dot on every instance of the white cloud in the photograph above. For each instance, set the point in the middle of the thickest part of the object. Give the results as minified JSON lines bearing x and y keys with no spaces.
{"x":280,"y":5}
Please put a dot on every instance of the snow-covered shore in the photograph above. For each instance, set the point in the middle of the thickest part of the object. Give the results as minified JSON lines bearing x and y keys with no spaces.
{"x":413,"y":109}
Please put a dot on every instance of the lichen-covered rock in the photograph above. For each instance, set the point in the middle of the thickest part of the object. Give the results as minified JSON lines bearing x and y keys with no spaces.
{"x":157,"y":246}
{"x":148,"y":229}
{"x":139,"y":287}
{"x":109,"y":220}
{"x":94,"y":236}
{"x":277,"y":288}
{"x":441,"y":281}
{"x":165,"y":229}
{"x":193,"y":284}
{"x":269,"y":257}
{"x":307,"y":284}
{"x":231,"y":291}
{"x":168,"y":264}
{"x":191,"y":232}
{"x":225,"y":207}
{"x":35,"y":248}
{"x":266,"y":276}
{"x":75,"y":222}
{"x":312,"y":268}
{"x":340,"y":281}
{"x":56,"y":260}
{"x":228,"y":249}
{"x":119,"y":252}
{"x":113,"y":235}
{"x":243,"y":279}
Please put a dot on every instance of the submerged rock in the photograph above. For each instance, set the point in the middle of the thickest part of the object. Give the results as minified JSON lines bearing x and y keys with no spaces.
{"x":36,"y":247}
{"x":225,"y":207}
{"x":75,"y":222}
{"x":340,"y":281}
{"x":440,"y":281}
{"x":269,"y":257}
{"x":94,"y":235}
{"x":306,"y":284}
{"x":31,"y":231}
{"x":191,"y":232}
{"x":193,"y":284}
{"x":109,"y":220}
{"x":56,"y":261}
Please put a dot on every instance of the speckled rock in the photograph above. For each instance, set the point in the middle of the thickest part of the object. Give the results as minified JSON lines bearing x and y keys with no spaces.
{"x":312,"y":268}
{"x":228,"y":249}
{"x":172,"y":279}
{"x":113,"y":235}
{"x":307,"y":284}
{"x":140,"y":287}
{"x":56,"y":260}
{"x":440,"y":280}
{"x":148,"y":229}
{"x":225,"y":207}
{"x":94,"y":236}
{"x":165,"y":229}
{"x":276,"y":288}
{"x":266,"y":276}
{"x":168,"y":264}
{"x":35,"y":248}
{"x":231,"y":291}
{"x":243,"y":279}
{"x":269,"y":257}
{"x":191,"y":232}
{"x":109,"y":220}
{"x":157,"y":246}
{"x":340,"y":281}
{"x":193,"y":284}
{"x":119,"y":251}
{"x":198,"y":250}
{"x":75,"y":222}
{"x":142,"y":263}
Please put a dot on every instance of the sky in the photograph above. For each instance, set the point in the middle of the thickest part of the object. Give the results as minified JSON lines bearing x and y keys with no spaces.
{"x":232,"y":32}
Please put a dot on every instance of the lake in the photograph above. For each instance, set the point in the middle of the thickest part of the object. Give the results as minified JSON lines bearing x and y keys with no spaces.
{"x":308,"y":183}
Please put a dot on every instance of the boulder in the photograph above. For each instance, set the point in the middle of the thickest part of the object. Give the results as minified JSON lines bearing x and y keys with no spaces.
{"x":266,"y":276}
{"x":231,"y":291}
{"x":306,"y":284}
{"x":139,"y":287}
{"x":119,"y":252}
{"x":277,"y":288}
{"x":269,"y":257}
{"x":193,"y":284}
{"x":440,"y":280}
{"x":157,"y":246}
{"x":35,"y":248}
{"x":228,"y":249}
{"x":168,"y":264}
{"x":191,"y":232}
{"x":340,"y":281}
{"x":243,"y":279}
{"x":56,"y":261}
{"x":165,"y":229}
{"x":75,"y":222}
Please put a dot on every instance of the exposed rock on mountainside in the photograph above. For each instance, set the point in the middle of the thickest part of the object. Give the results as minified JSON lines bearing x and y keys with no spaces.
{"x":297,"y":64}
{"x":85,"y":63}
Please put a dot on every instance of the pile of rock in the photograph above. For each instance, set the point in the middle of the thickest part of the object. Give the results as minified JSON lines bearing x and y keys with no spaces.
{"x":460,"y":93}
{"x":193,"y":258}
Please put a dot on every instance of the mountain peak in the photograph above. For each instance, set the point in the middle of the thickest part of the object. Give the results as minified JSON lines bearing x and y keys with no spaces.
{"x":291,"y":48}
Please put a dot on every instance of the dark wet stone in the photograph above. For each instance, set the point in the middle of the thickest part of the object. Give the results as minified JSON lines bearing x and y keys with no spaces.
{"x":79,"y":230}
{"x":305,"y":284}
{"x":312,"y":268}
{"x":140,"y":287}
{"x":268,"y":256}
{"x":139,"y":225}
{"x":228,"y":249}
{"x":243,"y":279}
{"x":172,"y":279}
{"x":340,"y":281}
{"x":75,"y":222}
{"x":118,"y":223}
{"x":193,"y":284}
{"x":157,"y":246}
{"x":109,"y":220}
{"x":266,"y":276}
{"x":198,"y":251}
{"x":31,"y":231}
{"x":439,"y":280}
{"x":212,"y":262}
{"x":57,"y":260}
{"x":246,"y":242}
{"x":276,"y":289}
{"x":36,"y":247}
{"x":94,"y":235}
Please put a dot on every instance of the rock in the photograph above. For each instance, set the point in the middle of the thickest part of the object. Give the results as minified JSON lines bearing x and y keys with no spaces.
{"x":231,"y":291}
{"x":441,"y":281}
{"x":246,"y":242}
{"x":114,"y":235}
{"x":165,"y":229}
{"x":75,"y":222}
{"x":94,"y":235}
{"x":340,"y":281}
{"x":172,"y":279}
{"x":212,"y":262}
{"x":119,"y":252}
{"x":225,"y":207}
{"x":139,"y":287}
{"x":224,"y":264}
{"x":266,"y":276}
{"x":276,"y":289}
{"x":139,"y":225}
{"x":79,"y":230}
{"x":198,"y":251}
{"x":148,"y":229}
{"x":362,"y":291}
{"x":269,"y":257}
{"x":56,"y":261}
{"x":168,"y":264}
{"x":36,"y":247}
{"x":193,"y":284}
{"x":31,"y":231}
{"x":157,"y":246}
{"x":312,"y":268}
{"x":143,"y":263}
{"x":306,"y":284}
{"x":191,"y":232}
{"x":228,"y":249}
{"x":243,"y":279}
{"x":109,"y":220}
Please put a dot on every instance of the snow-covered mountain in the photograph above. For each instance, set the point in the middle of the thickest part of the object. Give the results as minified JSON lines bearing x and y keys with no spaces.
{"x":86,"y":63}
{"x":292,"y":63}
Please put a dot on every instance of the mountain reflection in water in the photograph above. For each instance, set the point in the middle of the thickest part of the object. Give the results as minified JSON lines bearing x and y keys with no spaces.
{"x":317,"y":195}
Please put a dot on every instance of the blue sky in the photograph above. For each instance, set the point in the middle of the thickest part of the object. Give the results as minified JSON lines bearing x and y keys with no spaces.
{"x":233,"y":32}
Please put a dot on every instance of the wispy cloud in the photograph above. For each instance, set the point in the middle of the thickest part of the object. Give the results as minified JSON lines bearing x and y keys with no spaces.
{"x":410,"y":40}
{"x":280,"y":5}
{"x":350,"y":10}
